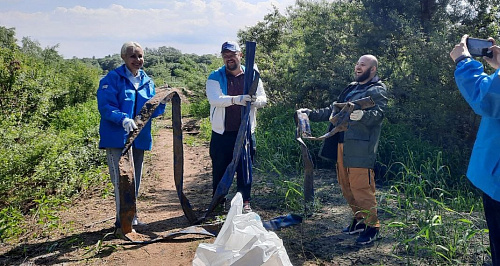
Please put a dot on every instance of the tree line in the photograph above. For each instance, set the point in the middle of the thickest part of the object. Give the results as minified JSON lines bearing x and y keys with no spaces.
{"x":306,"y":56}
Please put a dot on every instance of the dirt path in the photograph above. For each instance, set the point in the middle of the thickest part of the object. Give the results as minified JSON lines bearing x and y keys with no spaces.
{"x":84,"y":236}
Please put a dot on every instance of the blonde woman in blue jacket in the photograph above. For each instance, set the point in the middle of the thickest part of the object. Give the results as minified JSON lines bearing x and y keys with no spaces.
{"x":120,"y":97}
{"x":482,"y":92}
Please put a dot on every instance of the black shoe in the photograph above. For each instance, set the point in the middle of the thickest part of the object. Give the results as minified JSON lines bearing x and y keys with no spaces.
{"x":369,"y":235}
{"x":354,"y":228}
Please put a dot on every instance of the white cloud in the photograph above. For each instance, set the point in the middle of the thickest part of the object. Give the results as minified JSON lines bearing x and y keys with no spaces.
{"x":192,"y":26}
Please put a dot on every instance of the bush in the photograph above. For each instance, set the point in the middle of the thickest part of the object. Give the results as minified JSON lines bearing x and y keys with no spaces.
{"x":51,"y":165}
{"x":200,"y":108}
{"x":399,"y":146}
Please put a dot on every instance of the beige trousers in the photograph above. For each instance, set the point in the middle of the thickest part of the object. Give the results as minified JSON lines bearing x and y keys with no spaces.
{"x":358,"y":188}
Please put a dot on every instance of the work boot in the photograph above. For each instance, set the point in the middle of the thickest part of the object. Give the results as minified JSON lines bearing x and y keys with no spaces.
{"x":354,"y":228}
{"x":369,"y":235}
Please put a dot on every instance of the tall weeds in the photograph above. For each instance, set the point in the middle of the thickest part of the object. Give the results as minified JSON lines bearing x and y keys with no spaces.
{"x":432,"y":211}
{"x":44,"y":167}
{"x":427,"y":205}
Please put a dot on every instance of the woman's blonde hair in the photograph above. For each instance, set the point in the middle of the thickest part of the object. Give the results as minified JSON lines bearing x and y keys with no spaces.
{"x":127,"y":45}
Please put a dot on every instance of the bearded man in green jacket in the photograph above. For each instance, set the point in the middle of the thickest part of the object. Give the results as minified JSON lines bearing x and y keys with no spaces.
{"x":355,"y":149}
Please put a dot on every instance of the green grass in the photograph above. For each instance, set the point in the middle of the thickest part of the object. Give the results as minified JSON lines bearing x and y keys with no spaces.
{"x":432,"y":212}
{"x":52,"y":165}
{"x":432,"y":221}
{"x":430,"y":209}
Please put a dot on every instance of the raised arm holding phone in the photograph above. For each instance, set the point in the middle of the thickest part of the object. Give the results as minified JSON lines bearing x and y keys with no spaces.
{"x":482,"y":93}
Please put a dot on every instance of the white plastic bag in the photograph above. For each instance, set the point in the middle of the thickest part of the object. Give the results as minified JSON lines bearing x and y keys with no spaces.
{"x":242,"y":240}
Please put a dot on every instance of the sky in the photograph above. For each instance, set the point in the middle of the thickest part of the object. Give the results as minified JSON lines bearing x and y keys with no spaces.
{"x":100,"y":27}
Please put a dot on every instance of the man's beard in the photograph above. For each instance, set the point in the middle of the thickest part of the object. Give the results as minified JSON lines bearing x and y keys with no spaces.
{"x":363,"y":76}
{"x":232,"y":67}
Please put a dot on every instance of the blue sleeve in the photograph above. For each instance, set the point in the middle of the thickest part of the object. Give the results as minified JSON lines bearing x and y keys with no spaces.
{"x":107,"y":100}
{"x":480,"y":90}
{"x":160,"y":109}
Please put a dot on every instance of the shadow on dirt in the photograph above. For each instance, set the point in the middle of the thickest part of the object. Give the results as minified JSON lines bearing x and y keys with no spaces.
{"x":94,"y":244}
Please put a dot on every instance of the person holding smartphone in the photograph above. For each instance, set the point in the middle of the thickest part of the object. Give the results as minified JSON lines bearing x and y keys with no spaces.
{"x":482,"y":92}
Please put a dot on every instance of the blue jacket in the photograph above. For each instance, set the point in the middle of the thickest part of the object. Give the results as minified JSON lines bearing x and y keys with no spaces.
{"x":482,"y":92}
{"x":117,"y":98}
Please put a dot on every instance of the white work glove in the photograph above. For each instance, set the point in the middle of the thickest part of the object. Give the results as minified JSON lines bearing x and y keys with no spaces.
{"x":306,"y":111}
{"x":254,"y":98}
{"x":356,"y":115}
{"x":241,"y":99}
{"x":129,"y":124}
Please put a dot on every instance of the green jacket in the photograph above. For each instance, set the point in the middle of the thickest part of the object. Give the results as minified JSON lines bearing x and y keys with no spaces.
{"x":362,"y":138}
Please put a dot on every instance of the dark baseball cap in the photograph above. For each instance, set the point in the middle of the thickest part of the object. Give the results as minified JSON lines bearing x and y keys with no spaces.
{"x":231,"y":46}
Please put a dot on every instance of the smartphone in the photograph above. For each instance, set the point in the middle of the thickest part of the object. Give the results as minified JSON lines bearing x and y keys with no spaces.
{"x":479,"y":47}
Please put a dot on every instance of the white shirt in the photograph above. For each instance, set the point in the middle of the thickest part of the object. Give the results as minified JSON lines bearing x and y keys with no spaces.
{"x":135,"y":80}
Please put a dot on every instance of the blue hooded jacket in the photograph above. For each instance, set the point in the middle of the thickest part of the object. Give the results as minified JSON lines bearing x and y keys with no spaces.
{"x":117,"y":99}
{"x":482,"y":92}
